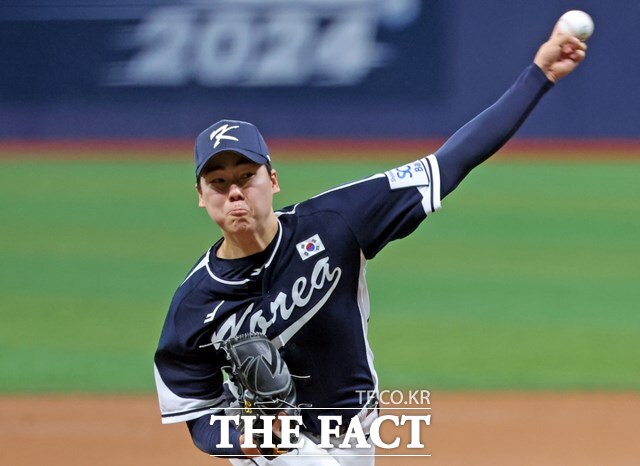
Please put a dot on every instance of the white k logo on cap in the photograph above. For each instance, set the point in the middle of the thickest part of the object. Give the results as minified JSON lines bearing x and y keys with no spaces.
{"x":219,"y":134}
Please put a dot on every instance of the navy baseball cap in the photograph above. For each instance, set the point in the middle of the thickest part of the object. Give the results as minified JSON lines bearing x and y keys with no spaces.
{"x":230,"y":136}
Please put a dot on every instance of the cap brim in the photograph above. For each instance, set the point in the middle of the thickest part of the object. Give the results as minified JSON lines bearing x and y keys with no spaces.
{"x":256,"y":158}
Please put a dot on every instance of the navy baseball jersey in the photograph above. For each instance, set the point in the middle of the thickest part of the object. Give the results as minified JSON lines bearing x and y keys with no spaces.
{"x":306,"y":292}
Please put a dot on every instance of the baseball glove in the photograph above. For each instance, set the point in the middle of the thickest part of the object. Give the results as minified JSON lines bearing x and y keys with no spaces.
{"x":264,"y":382}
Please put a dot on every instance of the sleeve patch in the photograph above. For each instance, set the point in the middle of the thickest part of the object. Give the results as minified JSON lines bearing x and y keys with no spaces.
{"x":412,"y":174}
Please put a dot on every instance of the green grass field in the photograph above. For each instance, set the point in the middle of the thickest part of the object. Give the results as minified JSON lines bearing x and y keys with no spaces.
{"x":527,"y":279}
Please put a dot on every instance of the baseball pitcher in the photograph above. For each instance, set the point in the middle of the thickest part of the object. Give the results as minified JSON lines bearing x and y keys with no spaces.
{"x":272,"y":319}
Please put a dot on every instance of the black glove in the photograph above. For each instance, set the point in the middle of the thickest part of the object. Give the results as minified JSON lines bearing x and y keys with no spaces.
{"x":265,"y":384}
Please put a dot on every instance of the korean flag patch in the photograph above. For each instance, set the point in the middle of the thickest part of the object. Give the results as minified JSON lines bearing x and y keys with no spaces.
{"x":310,"y":247}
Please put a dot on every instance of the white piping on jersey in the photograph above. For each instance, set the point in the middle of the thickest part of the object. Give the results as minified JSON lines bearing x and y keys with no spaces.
{"x":291,"y":212}
{"x":246,"y":280}
{"x":365,"y":312}
{"x":431,"y":201}
{"x":201,"y":264}
{"x":175,"y":408}
{"x":347,"y":185}
{"x":275,"y":249}
{"x":429,"y":193}
{"x":225,"y":282}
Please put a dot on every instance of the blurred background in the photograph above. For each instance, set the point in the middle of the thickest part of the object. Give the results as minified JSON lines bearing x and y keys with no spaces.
{"x":312,"y":68}
{"x":526,"y":281}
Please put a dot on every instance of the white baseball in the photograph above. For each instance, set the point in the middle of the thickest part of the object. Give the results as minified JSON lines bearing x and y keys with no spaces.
{"x":577,"y":23}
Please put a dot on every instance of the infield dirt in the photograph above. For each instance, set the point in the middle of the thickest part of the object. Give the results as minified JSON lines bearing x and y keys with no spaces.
{"x":493,"y":428}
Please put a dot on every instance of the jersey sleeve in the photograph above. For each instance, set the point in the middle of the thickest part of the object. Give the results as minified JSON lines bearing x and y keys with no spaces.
{"x":386,"y":206}
{"x":483,"y":136}
{"x":188,"y":369}
{"x":188,"y":375}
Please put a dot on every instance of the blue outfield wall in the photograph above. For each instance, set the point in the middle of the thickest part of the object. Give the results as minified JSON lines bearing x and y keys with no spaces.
{"x":73,"y":69}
